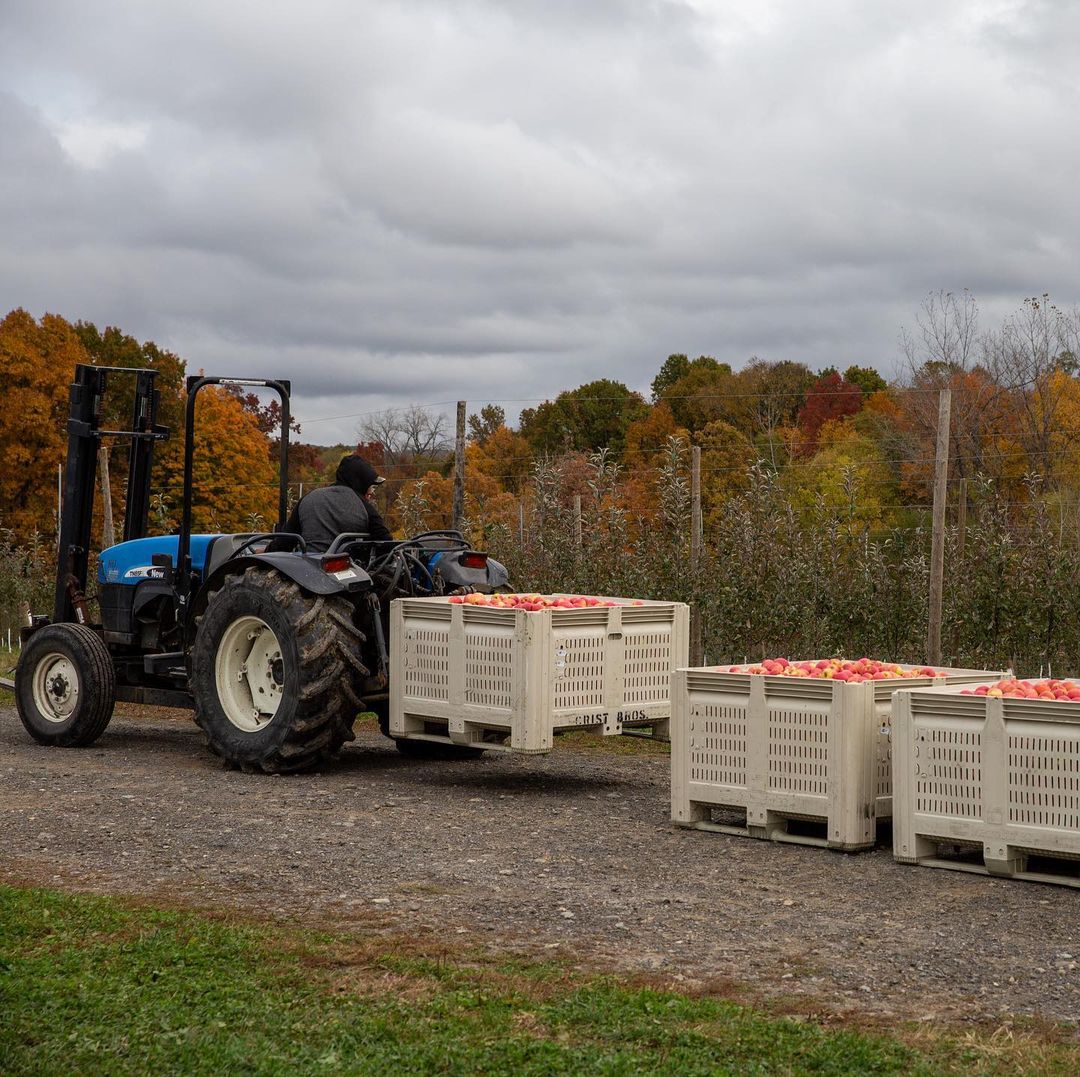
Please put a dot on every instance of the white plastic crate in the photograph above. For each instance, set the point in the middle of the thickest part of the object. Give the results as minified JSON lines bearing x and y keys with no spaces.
{"x":511,"y":679}
{"x":786,"y":749}
{"x":986,"y":784}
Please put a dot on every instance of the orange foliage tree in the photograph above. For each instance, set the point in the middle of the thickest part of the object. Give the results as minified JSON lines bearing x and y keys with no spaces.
{"x":647,"y":443}
{"x":234,"y":481}
{"x":37,"y":360}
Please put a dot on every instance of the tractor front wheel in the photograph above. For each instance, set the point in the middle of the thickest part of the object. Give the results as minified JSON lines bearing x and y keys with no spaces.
{"x":276,"y":673}
{"x":65,"y":686}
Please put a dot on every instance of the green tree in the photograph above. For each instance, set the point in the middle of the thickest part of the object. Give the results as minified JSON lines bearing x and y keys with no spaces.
{"x":707,"y":391}
{"x":726,"y":456}
{"x":482,"y":426}
{"x":592,"y":417}
{"x":675,"y":367}
{"x":866,"y":378}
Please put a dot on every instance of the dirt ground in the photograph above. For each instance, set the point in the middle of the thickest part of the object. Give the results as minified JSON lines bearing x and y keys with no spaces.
{"x":569,"y":854}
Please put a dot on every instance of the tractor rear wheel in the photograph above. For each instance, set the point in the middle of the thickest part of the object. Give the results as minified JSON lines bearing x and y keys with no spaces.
{"x":276,"y":673}
{"x":65,"y":686}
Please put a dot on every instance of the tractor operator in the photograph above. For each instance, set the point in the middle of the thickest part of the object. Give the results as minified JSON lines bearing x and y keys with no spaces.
{"x":345,"y":507}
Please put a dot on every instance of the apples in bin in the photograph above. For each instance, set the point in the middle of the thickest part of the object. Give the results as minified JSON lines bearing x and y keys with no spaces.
{"x":1011,"y":687}
{"x":534,"y":602}
{"x":836,"y":669}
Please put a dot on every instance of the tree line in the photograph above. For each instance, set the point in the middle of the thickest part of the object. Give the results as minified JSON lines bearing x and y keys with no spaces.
{"x":799,"y":469}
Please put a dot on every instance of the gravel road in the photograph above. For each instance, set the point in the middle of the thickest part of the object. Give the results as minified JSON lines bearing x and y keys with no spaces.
{"x":568,"y":853}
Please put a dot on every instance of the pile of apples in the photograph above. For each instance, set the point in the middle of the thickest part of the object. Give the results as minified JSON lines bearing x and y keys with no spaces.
{"x":533,"y":602}
{"x":1067,"y":691}
{"x":836,"y":669}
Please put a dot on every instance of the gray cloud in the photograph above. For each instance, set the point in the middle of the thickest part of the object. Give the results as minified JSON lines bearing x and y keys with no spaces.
{"x":398,"y":203}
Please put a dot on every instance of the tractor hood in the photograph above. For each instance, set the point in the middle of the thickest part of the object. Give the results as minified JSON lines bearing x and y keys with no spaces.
{"x":132,"y":562}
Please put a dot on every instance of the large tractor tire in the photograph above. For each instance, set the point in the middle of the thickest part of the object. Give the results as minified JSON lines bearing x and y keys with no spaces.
{"x":65,"y":686}
{"x":276,"y":673}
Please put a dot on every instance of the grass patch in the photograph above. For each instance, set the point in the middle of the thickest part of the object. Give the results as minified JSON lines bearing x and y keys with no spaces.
{"x":91,"y":984}
{"x":587,"y":742}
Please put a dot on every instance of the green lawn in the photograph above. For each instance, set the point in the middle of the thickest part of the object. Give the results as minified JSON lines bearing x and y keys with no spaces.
{"x":91,"y":984}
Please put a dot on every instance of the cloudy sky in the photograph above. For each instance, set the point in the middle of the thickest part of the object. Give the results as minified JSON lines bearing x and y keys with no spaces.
{"x":418,"y":202}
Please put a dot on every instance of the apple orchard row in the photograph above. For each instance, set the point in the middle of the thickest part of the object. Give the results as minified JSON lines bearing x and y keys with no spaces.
{"x":853,"y":672}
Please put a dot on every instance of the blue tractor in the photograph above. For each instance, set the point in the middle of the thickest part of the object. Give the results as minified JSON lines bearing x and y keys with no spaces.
{"x":275,"y":648}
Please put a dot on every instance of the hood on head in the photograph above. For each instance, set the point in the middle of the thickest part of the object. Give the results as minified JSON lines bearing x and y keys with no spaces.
{"x":355,"y":472}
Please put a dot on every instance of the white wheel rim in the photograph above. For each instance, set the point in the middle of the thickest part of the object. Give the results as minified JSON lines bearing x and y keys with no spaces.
{"x":249,"y":674}
{"x":56,"y":687}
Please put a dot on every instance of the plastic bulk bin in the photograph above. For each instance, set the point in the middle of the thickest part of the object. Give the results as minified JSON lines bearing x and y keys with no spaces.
{"x":987,"y":784}
{"x":511,"y":678}
{"x":796,"y":759}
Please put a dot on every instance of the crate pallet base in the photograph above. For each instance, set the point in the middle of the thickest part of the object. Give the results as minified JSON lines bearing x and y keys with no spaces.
{"x":795,"y":828}
{"x":494,"y":738}
{"x":1029,"y":865}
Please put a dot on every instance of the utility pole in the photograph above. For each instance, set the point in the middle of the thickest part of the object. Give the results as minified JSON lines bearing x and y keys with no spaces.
{"x":108,"y":532}
{"x":961,"y":521}
{"x":459,"y":468}
{"x":937,"y":544}
{"x":958,"y":563}
{"x":577,"y":523}
{"x":697,"y":650}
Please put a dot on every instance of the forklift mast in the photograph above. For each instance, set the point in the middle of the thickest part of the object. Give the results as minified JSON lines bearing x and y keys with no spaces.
{"x":86,"y":396}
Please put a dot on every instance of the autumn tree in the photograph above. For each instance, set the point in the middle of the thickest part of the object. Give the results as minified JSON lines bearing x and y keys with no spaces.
{"x":305,"y":460}
{"x":647,"y":444}
{"x":726,"y":456}
{"x":830,"y":399}
{"x":1024,"y":356}
{"x":503,"y":455}
{"x":37,"y":361}
{"x":944,"y":350}
{"x":766,"y":405}
{"x":845,"y":477}
{"x":705,"y":392}
{"x":427,"y":502}
{"x":114,"y":348}
{"x":234,"y":484}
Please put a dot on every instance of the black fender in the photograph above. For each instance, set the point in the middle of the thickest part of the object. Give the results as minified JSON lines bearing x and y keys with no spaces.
{"x":303,"y":569}
{"x":488,"y":579}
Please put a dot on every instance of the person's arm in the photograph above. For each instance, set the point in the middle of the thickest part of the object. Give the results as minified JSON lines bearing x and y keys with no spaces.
{"x":292,"y":524}
{"x":377,"y":528}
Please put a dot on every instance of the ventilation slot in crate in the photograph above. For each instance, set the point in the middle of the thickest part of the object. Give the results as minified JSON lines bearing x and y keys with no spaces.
{"x":488,"y":669}
{"x":798,"y":751}
{"x":648,"y":667}
{"x":951,"y":783}
{"x":427,"y":666}
{"x":718,"y":744}
{"x":1044,"y":781}
{"x":579,"y":672}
